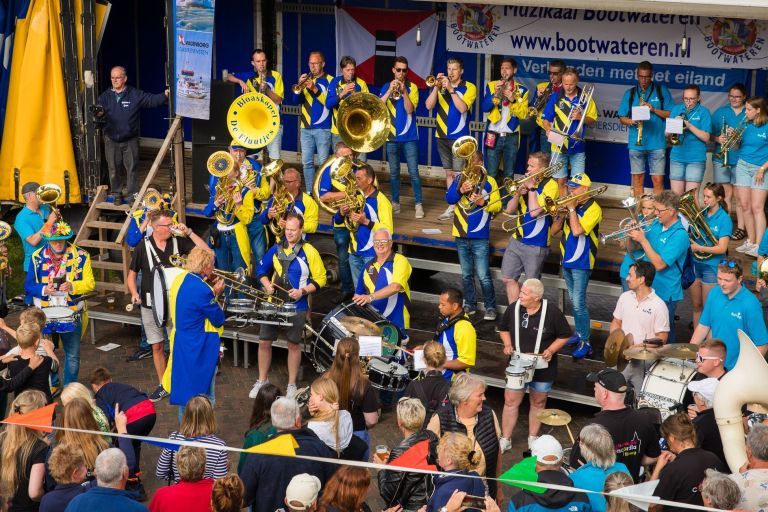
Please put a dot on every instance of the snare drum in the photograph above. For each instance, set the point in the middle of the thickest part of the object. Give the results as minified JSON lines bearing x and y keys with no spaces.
{"x":517,"y":375}
{"x":321,"y":350}
{"x":239,"y":306}
{"x":387,"y":376}
{"x":60,"y":320}
{"x":665,"y":385}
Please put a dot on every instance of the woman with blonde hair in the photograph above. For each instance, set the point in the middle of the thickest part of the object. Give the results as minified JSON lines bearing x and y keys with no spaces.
{"x":332,"y":425}
{"x":431,"y":387}
{"x":199,"y":423}
{"x":356,"y":394}
{"x":457,"y":455}
{"x":614,"y":482}
{"x":22,"y":458}
{"x":77,"y":390}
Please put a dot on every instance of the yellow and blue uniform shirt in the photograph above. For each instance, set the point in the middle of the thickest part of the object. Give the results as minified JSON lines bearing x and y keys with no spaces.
{"x":721,"y":225}
{"x":327,"y":184}
{"x":198,"y":321}
{"x":378,"y":209}
{"x":659,"y":97}
{"x":314,"y":113}
{"x":692,"y":148}
{"x":306,"y":268}
{"x":240,"y":217}
{"x":304,"y":206}
{"x":460,"y":342}
{"x":512,"y":113}
{"x":273,"y":78}
{"x":556,"y":112}
{"x":77,"y":266}
{"x":402,"y":124}
{"x":396,"y":269}
{"x":474,"y":224}
{"x":580,"y":252}
{"x":541,"y":88}
{"x":535,"y":230}
{"x":725,"y":115}
{"x":452,"y":124}
{"x":333,"y":101}
{"x":754,"y":144}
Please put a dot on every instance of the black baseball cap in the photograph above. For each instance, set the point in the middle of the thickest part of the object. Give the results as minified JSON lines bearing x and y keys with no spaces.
{"x":610,"y":379}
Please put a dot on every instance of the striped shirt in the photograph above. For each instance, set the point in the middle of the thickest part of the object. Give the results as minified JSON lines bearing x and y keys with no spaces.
{"x":216,"y":462}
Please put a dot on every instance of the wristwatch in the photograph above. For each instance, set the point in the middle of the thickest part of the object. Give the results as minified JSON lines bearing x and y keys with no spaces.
{"x":443,"y":509}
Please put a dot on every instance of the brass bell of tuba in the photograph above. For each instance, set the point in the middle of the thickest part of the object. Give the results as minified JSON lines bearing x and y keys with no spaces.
{"x":49,"y":193}
{"x":363,"y":122}
{"x":699,"y":231}
{"x":253,"y":120}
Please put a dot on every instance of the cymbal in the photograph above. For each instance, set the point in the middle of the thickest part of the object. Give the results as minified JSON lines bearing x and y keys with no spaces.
{"x":679,"y":350}
{"x":554,"y":417}
{"x":621,"y":362}
{"x":360,"y":326}
{"x":641,"y":352}
{"x":616,"y":343}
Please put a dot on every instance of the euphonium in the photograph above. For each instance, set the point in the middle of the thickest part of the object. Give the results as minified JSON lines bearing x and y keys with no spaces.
{"x":282,"y":201}
{"x":363,"y":122}
{"x":342,"y":169}
{"x":553,"y":207}
{"x":220,"y":164}
{"x":699,"y":231}
{"x":355,"y":201}
{"x":475,"y":174}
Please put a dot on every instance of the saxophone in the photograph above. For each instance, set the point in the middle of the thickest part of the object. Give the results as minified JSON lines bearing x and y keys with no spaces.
{"x":639,"y":140}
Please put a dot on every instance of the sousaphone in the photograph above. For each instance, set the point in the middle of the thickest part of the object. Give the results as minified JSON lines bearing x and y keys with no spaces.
{"x":253,"y":120}
{"x":363,"y":122}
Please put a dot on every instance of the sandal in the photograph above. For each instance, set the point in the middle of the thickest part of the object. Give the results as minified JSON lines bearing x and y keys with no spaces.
{"x":738,"y":234}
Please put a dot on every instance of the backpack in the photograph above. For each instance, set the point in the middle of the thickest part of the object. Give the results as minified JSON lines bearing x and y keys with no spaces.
{"x":656,"y":87}
{"x":687,"y":276}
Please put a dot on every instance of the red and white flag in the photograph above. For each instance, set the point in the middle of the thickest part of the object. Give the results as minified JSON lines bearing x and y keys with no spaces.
{"x":374,"y":37}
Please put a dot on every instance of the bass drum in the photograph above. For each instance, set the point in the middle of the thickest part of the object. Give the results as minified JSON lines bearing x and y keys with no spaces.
{"x":665,"y":385}
{"x":162,"y":280}
{"x":321,"y":351}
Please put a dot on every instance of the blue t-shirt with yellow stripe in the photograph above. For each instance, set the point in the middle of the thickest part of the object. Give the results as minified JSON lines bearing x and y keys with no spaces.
{"x":402,"y":124}
{"x":378,"y":209}
{"x":334,"y":100}
{"x":306,"y":268}
{"x":375,"y":276}
{"x":557,"y":111}
{"x":535,"y":230}
{"x":580,"y":252}
{"x":460,"y":342}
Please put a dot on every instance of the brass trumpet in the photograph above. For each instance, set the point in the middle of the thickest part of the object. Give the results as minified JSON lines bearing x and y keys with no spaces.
{"x":552,"y":207}
{"x":397,"y":93}
{"x":234,"y":281}
{"x":432,"y":81}
{"x":675,"y":139}
{"x":541,"y":101}
{"x":303,"y":83}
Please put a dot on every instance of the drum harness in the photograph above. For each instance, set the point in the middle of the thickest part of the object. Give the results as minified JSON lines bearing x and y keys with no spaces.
{"x":154,"y":259}
{"x":286,"y":260}
{"x":541,"y":326}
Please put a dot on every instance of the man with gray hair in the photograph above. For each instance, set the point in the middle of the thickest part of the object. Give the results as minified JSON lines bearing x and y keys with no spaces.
{"x":383,"y":283}
{"x":111,"y":470}
{"x":268,"y":476}
{"x":753,"y":479}
{"x":538,"y":327}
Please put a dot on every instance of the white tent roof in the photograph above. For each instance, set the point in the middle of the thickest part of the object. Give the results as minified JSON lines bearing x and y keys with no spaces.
{"x":757,"y":9}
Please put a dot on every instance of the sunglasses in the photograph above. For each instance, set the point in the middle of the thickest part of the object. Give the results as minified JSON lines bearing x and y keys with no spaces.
{"x":524,"y":323}
{"x":401,"y":70}
{"x":730,"y":263}
{"x":700,"y":358}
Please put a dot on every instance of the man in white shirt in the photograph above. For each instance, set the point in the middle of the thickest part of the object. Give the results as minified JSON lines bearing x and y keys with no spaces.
{"x":641,"y":313}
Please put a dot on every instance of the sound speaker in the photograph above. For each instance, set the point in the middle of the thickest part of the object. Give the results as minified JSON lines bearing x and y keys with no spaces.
{"x":214,"y":130}
{"x":200,"y":175}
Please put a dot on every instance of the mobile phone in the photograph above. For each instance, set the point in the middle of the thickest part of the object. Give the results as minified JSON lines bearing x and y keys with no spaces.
{"x":56,"y":282}
{"x":469,"y":501}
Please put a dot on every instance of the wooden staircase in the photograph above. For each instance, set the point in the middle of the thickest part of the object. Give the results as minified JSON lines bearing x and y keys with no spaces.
{"x":106,"y":224}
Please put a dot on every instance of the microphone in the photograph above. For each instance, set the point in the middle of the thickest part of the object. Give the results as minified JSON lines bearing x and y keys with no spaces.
{"x":418,"y":35}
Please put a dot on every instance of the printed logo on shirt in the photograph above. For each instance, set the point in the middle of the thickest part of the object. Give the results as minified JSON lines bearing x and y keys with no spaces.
{"x":761,"y":135}
{"x":630,"y":448}
{"x":663,"y":240}
{"x":126,"y":104}
{"x":736,"y":314}
{"x":647,"y":311}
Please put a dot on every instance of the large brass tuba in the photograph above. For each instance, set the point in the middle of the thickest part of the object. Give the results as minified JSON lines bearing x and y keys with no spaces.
{"x":699,"y":231}
{"x":253,"y":120}
{"x":282,"y":201}
{"x":363,"y":122}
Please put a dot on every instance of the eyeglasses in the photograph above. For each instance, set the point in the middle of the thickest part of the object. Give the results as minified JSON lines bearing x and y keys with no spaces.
{"x":690,"y":99}
{"x":381,"y":243}
{"x":735,"y":97}
{"x":643,"y":76}
{"x":401,"y":70}
{"x":700,"y":358}
{"x":661,"y":210}
{"x":524,"y":323}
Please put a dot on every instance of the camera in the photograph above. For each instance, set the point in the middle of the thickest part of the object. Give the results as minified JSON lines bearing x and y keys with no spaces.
{"x":97,"y":114}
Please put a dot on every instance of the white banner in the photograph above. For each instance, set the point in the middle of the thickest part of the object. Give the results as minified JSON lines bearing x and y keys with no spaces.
{"x":607,"y":35}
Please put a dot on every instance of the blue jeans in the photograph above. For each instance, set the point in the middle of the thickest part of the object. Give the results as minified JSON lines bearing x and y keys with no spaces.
{"x":544,"y":144}
{"x":411,"y":151}
{"x":258,"y":239}
{"x":211,"y":396}
{"x":506,"y":147}
{"x":365,"y":436}
{"x":313,"y":140}
{"x":356,"y":264}
{"x":70,"y":341}
{"x":577,"y":280}
{"x":273,"y":148}
{"x":473,"y":256}
{"x":671,"y":307}
{"x":228,"y":256}
{"x":341,"y":239}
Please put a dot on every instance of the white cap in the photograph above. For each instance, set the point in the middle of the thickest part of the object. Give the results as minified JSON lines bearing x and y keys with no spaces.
{"x":547,"y":450}
{"x":705,"y":388}
{"x":302,"y":491}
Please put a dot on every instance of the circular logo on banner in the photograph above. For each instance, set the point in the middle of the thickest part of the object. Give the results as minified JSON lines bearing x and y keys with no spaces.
{"x":734,"y":40}
{"x":473,"y":25}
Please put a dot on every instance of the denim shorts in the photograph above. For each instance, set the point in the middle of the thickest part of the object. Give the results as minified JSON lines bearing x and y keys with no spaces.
{"x":721,"y":173}
{"x":686,"y":171}
{"x":573,"y":163}
{"x":540,"y":387}
{"x":745,"y":176}
{"x":656,"y":159}
{"x":705,"y":273}
{"x":444,"y":149}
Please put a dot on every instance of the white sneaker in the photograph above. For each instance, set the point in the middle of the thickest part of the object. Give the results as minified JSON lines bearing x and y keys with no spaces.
{"x":752,"y":251}
{"x":505,"y":444}
{"x":290,"y":391}
{"x":746,"y":246}
{"x":447,"y":214}
{"x":531,"y":440}
{"x":256,"y":387}
{"x":419,"y":211}
{"x":395,"y":207}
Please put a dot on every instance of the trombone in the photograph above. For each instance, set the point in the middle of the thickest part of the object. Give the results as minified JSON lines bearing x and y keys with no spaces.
{"x":513,"y":186}
{"x":552,"y":207}
{"x":581,"y":105}
{"x":234,"y":281}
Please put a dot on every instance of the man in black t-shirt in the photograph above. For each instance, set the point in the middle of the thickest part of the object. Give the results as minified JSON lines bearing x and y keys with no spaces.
{"x":152,"y":251}
{"x":634,"y":435}
{"x":531,"y":325}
